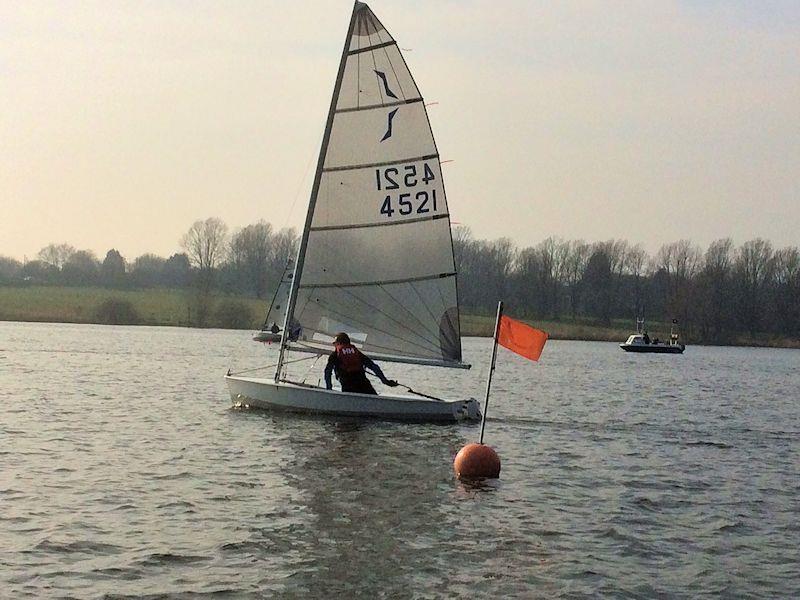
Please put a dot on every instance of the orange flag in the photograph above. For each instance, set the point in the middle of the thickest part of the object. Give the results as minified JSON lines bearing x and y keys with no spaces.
{"x":521,"y":338}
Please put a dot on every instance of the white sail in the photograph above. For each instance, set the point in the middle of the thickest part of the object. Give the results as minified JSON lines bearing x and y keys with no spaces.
{"x":376,"y":258}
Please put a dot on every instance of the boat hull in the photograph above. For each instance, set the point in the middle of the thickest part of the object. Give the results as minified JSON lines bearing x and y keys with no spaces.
{"x":653,"y":349}
{"x":289,"y":397}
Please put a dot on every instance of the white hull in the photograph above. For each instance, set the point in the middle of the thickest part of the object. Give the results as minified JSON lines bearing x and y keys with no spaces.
{"x":283,"y":396}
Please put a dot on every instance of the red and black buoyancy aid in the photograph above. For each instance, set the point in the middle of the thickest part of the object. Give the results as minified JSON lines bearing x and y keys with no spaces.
{"x":348,"y":359}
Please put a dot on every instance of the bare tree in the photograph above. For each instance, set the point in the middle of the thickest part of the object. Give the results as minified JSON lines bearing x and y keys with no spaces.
{"x":597,"y":283}
{"x":635,"y":266}
{"x":577,"y":259}
{"x":714,"y":283}
{"x":56,"y":254}
{"x":679,"y":262}
{"x":753,"y":269}
{"x":787,"y":293}
{"x":551,"y":258}
{"x":204,"y":244}
{"x":282,"y":248}
{"x":248,"y":254}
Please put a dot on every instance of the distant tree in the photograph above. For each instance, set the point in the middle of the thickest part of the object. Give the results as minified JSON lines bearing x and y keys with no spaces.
{"x":147,"y":270}
{"x":715,"y":305}
{"x":680,"y":261}
{"x":787,"y":291}
{"x":177,"y":271}
{"x":463,"y":253}
{"x":554,"y":256}
{"x":577,"y":259}
{"x":617,"y":252}
{"x":10,"y":269}
{"x":81,"y":268}
{"x":752,"y":272}
{"x":112,"y":271}
{"x":249,"y":254}
{"x":635,"y":267}
{"x":283,"y":247}
{"x":529,"y":297}
{"x":39,"y":271}
{"x":597,"y":284}
{"x":485,"y":270}
{"x":56,"y":254}
{"x":204,"y":244}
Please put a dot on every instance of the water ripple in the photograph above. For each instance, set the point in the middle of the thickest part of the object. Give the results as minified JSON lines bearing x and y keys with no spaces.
{"x":127,"y":474}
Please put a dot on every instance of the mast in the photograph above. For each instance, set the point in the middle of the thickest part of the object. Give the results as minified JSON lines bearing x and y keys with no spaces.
{"x":301,"y":253}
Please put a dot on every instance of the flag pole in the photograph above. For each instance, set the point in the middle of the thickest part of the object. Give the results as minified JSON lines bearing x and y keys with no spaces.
{"x":491,"y":367}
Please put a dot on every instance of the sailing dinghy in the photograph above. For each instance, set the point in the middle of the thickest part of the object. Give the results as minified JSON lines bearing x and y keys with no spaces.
{"x":376,"y":255}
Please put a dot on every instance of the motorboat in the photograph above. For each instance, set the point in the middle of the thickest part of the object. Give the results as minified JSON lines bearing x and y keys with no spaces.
{"x":641,"y":341}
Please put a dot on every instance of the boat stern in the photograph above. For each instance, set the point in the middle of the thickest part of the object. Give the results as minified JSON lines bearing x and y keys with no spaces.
{"x":469,"y":410}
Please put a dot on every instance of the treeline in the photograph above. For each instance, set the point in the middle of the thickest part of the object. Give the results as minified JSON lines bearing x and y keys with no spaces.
{"x":247,"y":262}
{"x":718,"y":294}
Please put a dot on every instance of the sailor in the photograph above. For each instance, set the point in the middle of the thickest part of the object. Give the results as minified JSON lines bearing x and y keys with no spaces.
{"x":348,"y":362}
{"x":646,"y":338}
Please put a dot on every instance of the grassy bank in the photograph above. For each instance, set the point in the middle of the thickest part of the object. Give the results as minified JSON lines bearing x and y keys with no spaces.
{"x":54,"y":304}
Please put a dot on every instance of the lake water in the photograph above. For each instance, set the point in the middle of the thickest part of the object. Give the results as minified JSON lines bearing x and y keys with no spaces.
{"x":127,"y":473}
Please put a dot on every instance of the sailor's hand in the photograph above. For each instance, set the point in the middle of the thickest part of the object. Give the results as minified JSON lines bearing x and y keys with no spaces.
{"x":391,"y":383}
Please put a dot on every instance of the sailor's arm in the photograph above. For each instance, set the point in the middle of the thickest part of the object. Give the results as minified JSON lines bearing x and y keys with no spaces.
{"x":372,"y":366}
{"x":329,"y":370}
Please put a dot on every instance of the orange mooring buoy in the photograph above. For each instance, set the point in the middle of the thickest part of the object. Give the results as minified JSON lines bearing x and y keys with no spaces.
{"x":475,"y":461}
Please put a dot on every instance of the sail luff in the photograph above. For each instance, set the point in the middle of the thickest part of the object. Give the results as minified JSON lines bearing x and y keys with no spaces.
{"x":315,"y":190}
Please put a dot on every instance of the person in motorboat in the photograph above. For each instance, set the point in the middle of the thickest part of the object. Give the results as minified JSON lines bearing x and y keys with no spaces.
{"x":646,"y":338}
{"x":349,"y":364}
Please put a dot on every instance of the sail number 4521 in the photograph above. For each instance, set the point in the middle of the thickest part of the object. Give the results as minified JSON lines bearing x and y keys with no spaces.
{"x":407,"y":176}
{"x":388,"y":178}
{"x":422,"y":202}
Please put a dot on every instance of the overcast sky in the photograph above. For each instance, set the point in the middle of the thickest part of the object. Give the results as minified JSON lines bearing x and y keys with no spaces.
{"x":121,"y":123}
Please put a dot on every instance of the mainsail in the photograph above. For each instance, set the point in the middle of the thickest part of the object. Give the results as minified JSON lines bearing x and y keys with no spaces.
{"x":376,"y":257}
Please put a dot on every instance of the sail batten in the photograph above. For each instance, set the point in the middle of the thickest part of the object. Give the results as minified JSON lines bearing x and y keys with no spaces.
{"x":376,"y":258}
{"x":376,"y":106}
{"x":380,"y":164}
{"x":376,"y":283}
{"x":371,"y":48}
{"x":362,"y":225}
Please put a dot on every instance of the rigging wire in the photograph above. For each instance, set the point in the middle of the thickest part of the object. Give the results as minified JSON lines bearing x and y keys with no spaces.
{"x":314,"y":364}
{"x":286,"y":362}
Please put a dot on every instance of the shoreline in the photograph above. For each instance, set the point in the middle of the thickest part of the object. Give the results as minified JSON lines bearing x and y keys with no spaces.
{"x":161,"y":307}
{"x":480,"y":332}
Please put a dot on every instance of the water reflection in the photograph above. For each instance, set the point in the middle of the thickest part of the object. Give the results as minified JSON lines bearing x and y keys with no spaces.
{"x":366,"y":534}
